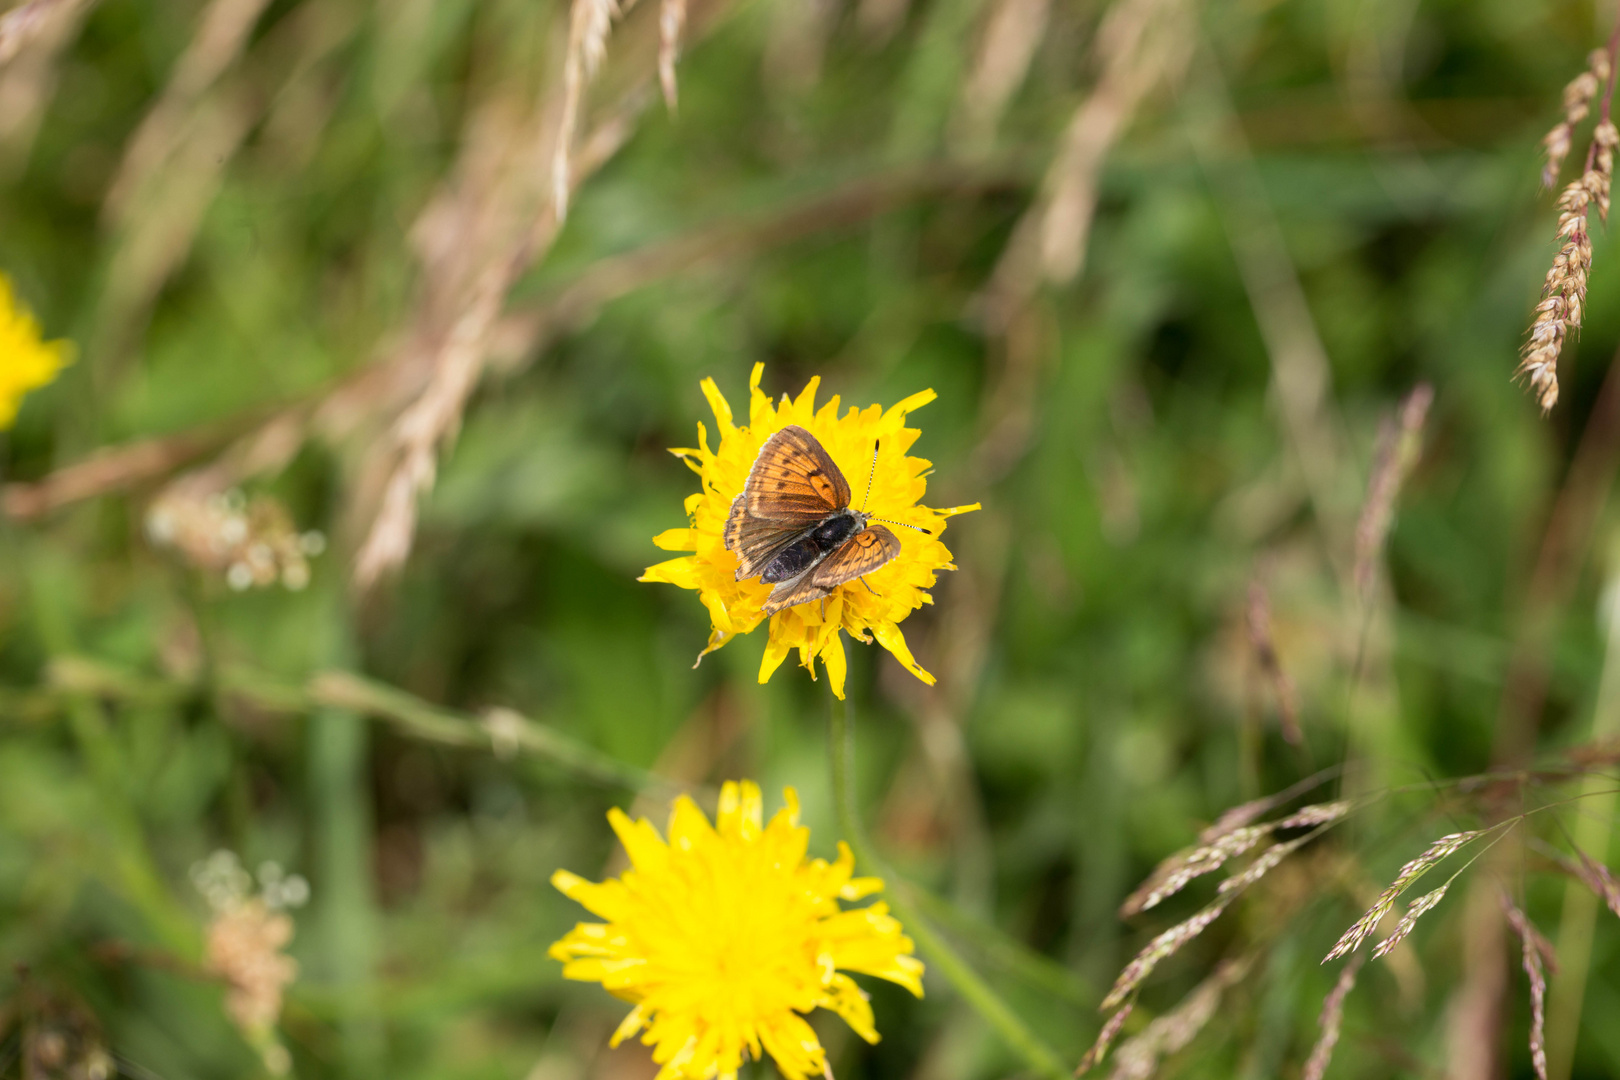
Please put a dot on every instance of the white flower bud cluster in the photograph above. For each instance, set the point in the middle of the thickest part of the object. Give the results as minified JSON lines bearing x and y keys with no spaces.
{"x":252,"y":542}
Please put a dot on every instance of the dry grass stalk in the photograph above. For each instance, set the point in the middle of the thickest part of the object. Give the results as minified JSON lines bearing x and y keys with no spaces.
{"x":1578,"y":97}
{"x":1403,"y":929}
{"x":108,"y":470}
{"x":222,"y":31}
{"x":1138,"y":1057}
{"x":1591,"y":873}
{"x":1331,"y":1021}
{"x":1220,"y":844}
{"x":32,"y":39}
{"x":1105,"y":1037}
{"x":1012,"y":32}
{"x":1177,"y":872}
{"x":1140,"y":44}
{"x":1265,"y":653}
{"x":588,"y":27}
{"x":1411,"y":872}
{"x":470,"y":261}
{"x":1237,"y":817}
{"x":1535,"y":947}
{"x":1601,"y":880}
{"x":671,"y":20}
{"x":26,"y":22}
{"x":1165,"y":945}
{"x":1262,"y":866}
{"x":1399,"y":443}
{"x":1244,"y":813}
{"x":1315,"y":814}
{"x":432,"y":419}
{"x":1563,"y":294}
{"x":1143,"y":42}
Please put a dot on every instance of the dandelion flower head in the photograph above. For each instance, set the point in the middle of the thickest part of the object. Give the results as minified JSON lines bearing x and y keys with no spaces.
{"x":27,"y":362}
{"x":725,"y":934}
{"x":870,"y":607}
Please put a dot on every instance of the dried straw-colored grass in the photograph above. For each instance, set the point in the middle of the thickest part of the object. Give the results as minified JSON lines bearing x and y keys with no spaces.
{"x":1166,"y":944}
{"x":1099,"y":1049}
{"x":671,"y":21}
{"x":1195,"y":863}
{"x":1535,"y":948}
{"x":1170,"y":941}
{"x":433,"y":418}
{"x":1399,"y":444}
{"x":1258,"y":618}
{"x":1578,"y":97}
{"x":1225,"y":841}
{"x":1563,"y":293}
{"x":1141,"y":44}
{"x":1403,"y":929}
{"x":1331,"y":1021}
{"x":1601,"y":880}
{"x":590,"y":21}
{"x":1410,"y":873}
{"x":1138,"y":1057}
{"x":221,"y":33}
{"x":1013,"y":30}
{"x":26,"y":23}
{"x":33,"y":37}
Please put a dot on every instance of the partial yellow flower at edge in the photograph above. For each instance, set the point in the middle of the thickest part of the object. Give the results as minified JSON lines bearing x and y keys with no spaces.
{"x":723,"y":936}
{"x":869,"y":608}
{"x":27,"y":362}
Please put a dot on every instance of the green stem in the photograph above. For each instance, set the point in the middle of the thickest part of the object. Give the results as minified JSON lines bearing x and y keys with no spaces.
{"x":975,"y":991}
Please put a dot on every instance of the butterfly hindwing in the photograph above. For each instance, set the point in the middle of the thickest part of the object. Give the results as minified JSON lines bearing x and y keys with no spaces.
{"x":794,"y":480}
{"x":791,"y":593}
{"x":756,"y":541}
{"x":860,"y":554}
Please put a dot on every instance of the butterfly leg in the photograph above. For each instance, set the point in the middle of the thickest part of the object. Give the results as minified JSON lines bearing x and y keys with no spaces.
{"x":869,"y":588}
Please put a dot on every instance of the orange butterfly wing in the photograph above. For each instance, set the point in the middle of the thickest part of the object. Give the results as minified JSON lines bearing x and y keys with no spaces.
{"x":860,"y":554}
{"x":756,"y":541}
{"x":794,"y":481}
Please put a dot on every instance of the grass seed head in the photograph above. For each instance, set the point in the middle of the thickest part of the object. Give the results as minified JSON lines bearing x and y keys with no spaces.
{"x":1385,"y":903}
{"x":1534,"y":945}
{"x":1331,"y":1020}
{"x":1403,"y":929}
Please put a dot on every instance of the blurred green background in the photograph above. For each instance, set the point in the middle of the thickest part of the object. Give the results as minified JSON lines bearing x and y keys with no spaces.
{"x":1310,"y":207}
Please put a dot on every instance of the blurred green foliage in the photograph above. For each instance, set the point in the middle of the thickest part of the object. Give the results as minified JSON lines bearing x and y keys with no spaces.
{"x":1099,"y":699}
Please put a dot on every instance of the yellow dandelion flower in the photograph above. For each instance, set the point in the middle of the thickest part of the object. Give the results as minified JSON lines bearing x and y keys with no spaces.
{"x":724,"y":935}
{"x":870,"y":607}
{"x":26,"y":361}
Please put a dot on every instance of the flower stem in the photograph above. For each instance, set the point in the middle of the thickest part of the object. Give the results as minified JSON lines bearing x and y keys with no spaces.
{"x":975,"y":991}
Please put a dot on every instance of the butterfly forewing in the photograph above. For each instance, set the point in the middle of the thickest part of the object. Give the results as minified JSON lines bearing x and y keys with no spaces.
{"x":756,"y":541}
{"x":860,"y":554}
{"x":794,"y":480}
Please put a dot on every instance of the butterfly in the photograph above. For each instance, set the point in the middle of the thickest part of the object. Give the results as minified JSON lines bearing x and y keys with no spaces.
{"x":793,"y":527}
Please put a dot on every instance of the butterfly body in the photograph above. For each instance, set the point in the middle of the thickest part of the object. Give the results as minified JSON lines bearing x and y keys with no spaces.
{"x":815,"y":545}
{"x":793,"y":527}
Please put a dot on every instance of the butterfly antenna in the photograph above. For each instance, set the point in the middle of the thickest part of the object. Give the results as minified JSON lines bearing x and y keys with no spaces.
{"x":871,"y":475}
{"x":903,"y":525}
